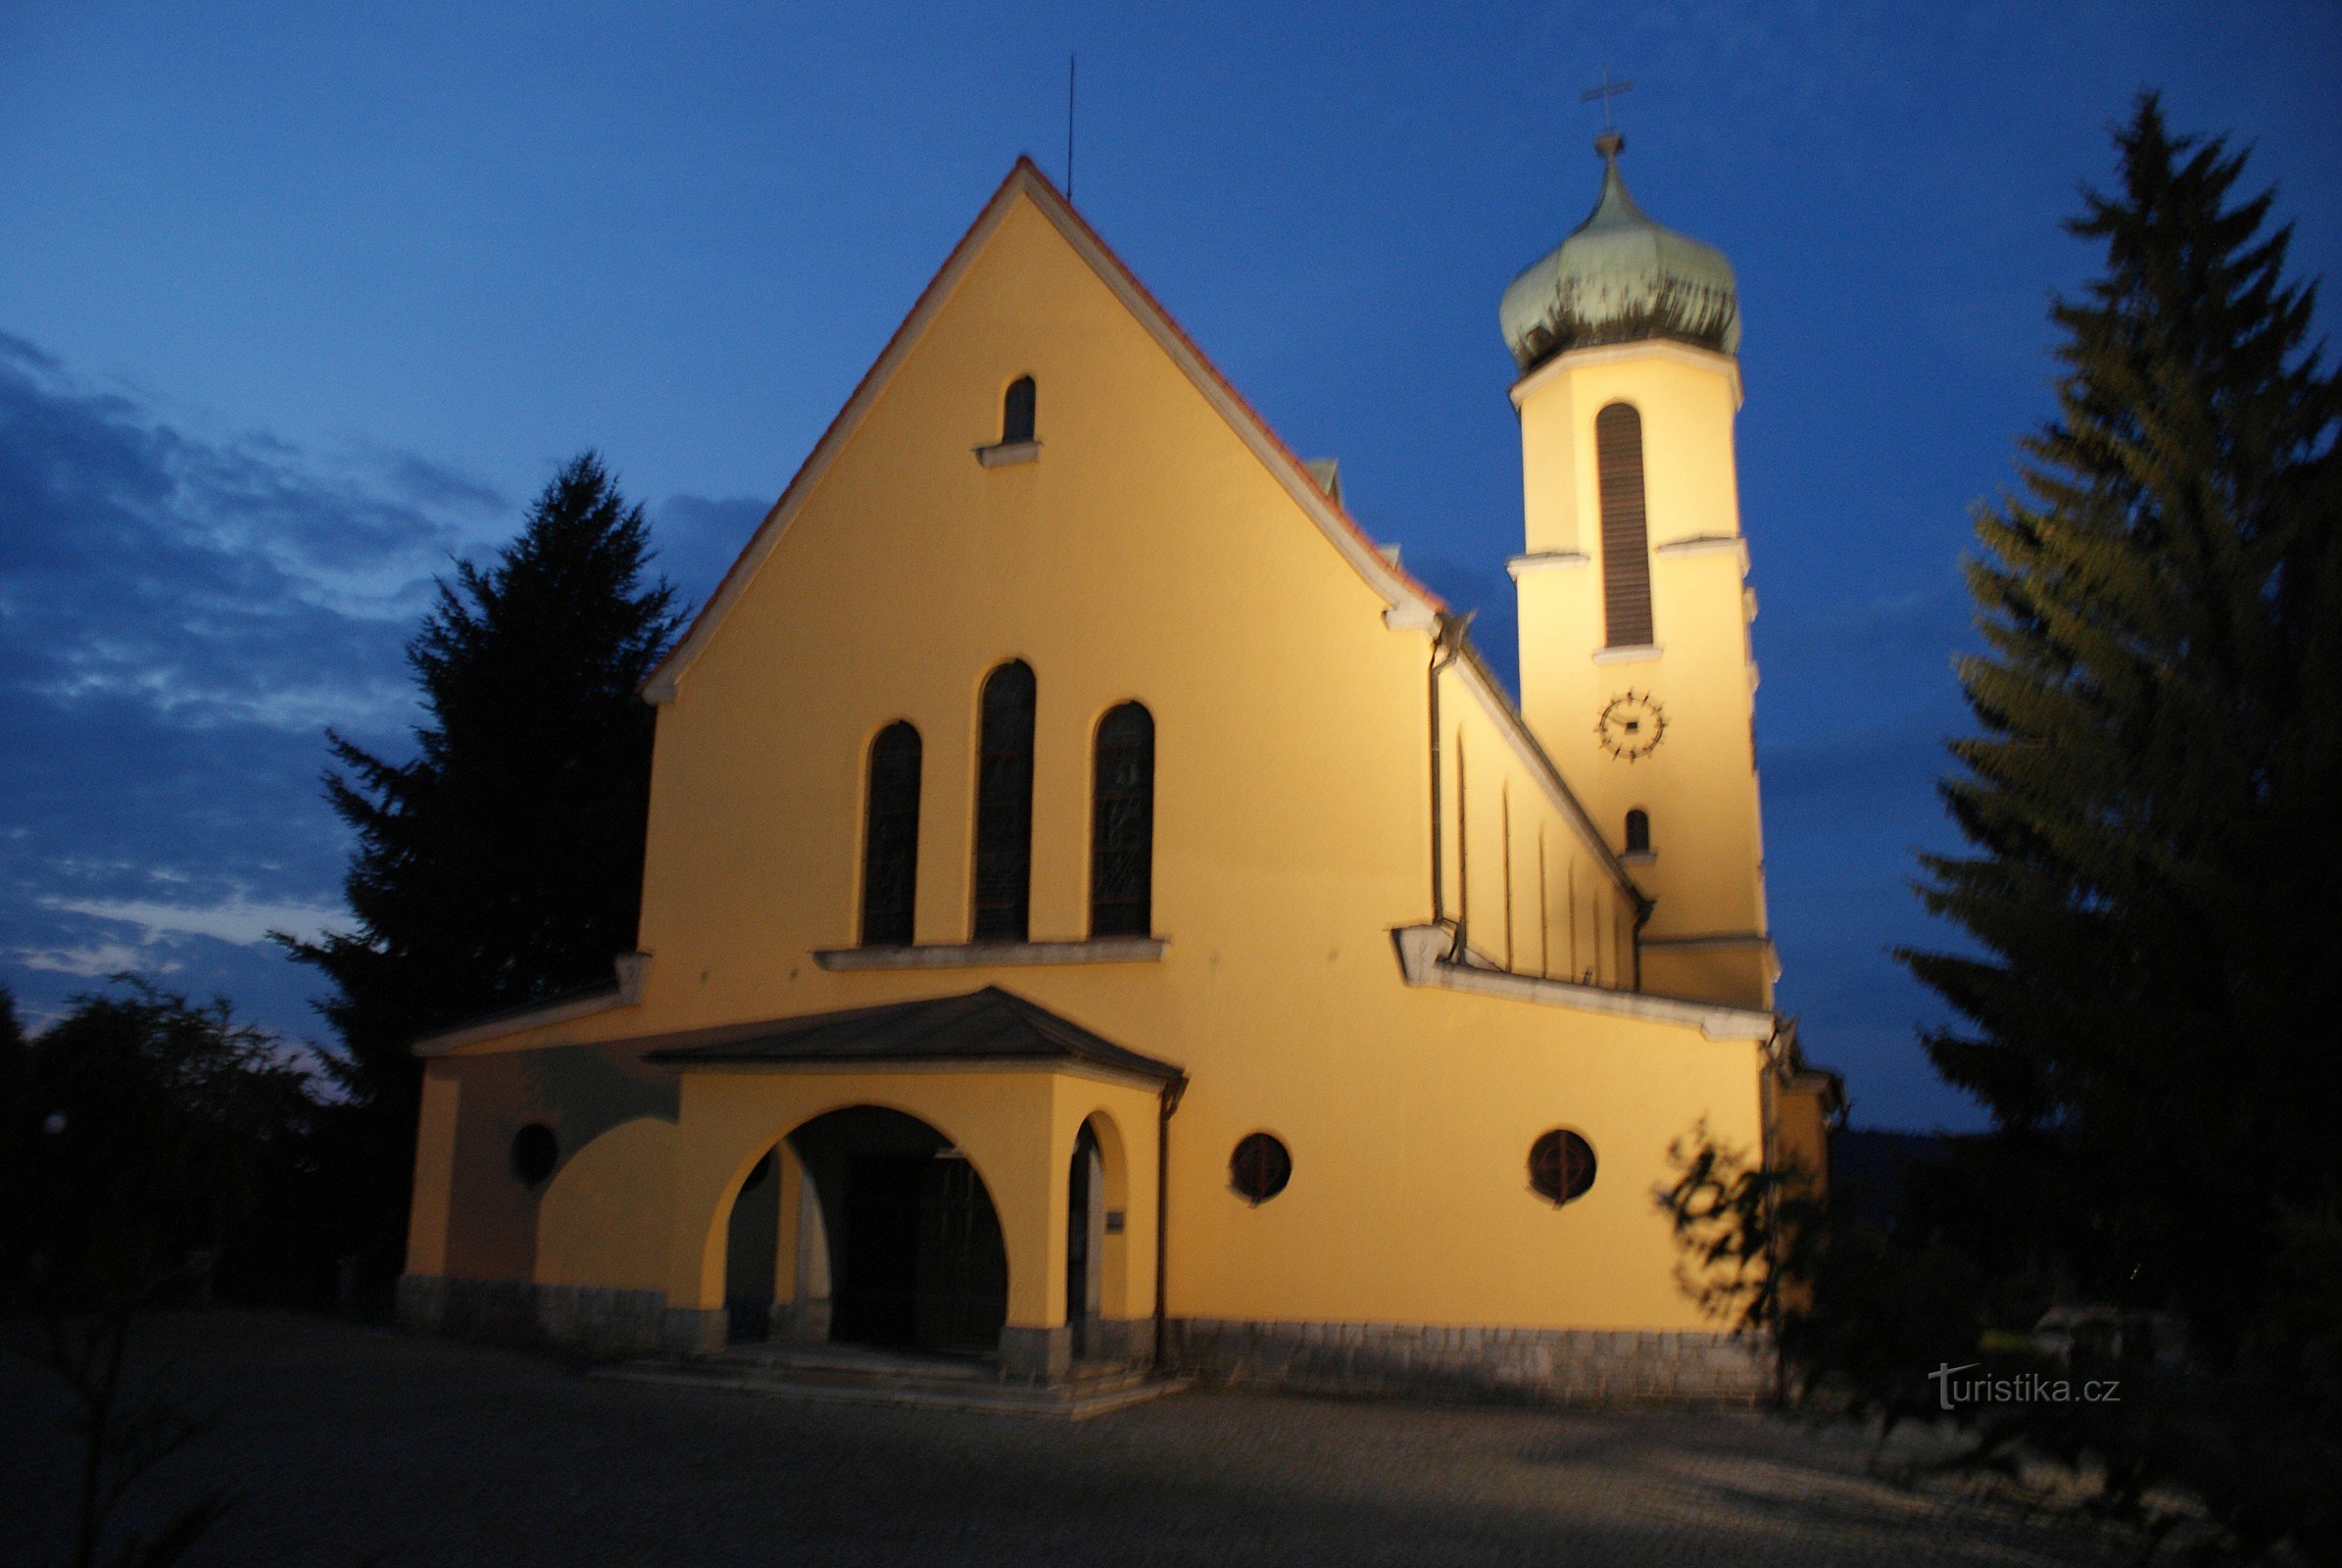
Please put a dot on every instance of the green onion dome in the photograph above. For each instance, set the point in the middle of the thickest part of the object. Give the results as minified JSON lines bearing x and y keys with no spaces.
{"x":1620,"y":278}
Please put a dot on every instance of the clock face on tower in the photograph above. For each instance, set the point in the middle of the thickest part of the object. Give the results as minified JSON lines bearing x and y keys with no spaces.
{"x":1631,"y":724}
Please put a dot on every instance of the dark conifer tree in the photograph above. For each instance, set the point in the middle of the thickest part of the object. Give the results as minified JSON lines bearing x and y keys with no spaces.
{"x":2154,"y":879}
{"x":502,"y":864}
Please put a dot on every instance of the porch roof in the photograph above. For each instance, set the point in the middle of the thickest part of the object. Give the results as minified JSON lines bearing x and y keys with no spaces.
{"x":987,"y":1025}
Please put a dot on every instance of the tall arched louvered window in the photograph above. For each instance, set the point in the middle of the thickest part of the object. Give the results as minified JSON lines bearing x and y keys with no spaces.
{"x":1016,"y":411}
{"x":891,"y":839}
{"x":1626,"y":534}
{"x":1122,"y":825}
{"x":1004,"y":807}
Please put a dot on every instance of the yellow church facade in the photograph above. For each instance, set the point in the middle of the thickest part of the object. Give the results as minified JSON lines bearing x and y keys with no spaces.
{"x":1099,"y":907}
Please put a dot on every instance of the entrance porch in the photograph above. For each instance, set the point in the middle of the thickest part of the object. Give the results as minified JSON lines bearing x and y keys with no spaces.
{"x":970,"y":1176}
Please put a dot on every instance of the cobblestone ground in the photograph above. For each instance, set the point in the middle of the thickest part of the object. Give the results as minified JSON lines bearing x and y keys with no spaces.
{"x":347,"y":1445}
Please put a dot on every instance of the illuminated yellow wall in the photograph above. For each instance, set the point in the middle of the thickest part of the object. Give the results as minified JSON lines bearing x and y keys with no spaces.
{"x":1150,"y":553}
{"x":1706,"y":937}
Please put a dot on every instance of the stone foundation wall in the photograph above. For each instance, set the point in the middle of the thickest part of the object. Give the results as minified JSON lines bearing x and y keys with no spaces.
{"x":586,"y":1317}
{"x":1587,"y":1366}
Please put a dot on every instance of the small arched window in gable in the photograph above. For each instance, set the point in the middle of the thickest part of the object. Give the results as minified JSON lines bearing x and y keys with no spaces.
{"x":891,"y":839}
{"x":1626,"y":533}
{"x":1016,"y":411}
{"x":1122,"y":825}
{"x":1005,"y":806}
{"x":1638,"y":832}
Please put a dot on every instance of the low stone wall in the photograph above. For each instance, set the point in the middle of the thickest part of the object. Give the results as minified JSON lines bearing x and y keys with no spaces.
{"x":1580,"y":1366}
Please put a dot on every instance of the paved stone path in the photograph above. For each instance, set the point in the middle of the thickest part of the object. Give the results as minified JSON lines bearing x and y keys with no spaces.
{"x":347,"y":1445}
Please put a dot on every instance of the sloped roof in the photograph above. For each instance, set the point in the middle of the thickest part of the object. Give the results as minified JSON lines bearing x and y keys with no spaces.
{"x":987,"y":1025}
{"x":1401,"y":591}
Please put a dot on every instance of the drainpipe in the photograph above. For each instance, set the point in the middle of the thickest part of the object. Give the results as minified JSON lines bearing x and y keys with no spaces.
{"x":1167,"y":1104}
{"x":1643,"y":909}
{"x":1447,"y":644}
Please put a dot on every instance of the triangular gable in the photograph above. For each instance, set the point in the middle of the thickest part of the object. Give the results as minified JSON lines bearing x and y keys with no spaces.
{"x":1411,"y":605}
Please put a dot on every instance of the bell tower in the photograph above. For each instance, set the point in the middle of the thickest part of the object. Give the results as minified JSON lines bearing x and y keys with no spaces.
{"x":1635,"y":668}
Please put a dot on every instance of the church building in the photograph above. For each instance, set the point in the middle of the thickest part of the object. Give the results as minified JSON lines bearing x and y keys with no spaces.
{"x":1099,"y":908}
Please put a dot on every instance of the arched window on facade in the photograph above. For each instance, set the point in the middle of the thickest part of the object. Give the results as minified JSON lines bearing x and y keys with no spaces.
{"x":1638,"y":832}
{"x":1016,"y":411}
{"x":1626,"y":533}
{"x":1005,"y":806}
{"x":891,"y":839}
{"x":1122,"y":825}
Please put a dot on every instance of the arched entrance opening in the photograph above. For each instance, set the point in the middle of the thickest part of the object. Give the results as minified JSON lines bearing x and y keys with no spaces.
{"x":913,"y":1248}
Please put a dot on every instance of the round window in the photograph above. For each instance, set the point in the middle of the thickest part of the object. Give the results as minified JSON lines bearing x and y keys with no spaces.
{"x":1561,"y":1166}
{"x":535,"y":1152}
{"x":1259,"y":1168}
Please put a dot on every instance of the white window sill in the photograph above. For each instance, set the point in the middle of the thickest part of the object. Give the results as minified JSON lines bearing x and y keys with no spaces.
{"x":996,"y":954}
{"x":1545,"y":561}
{"x":1001,"y":453}
{"x":1638,"y":654}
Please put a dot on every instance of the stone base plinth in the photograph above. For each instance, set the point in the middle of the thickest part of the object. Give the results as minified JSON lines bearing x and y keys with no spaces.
{"x":587,"y":1317}
{"x":1590,"y":1367}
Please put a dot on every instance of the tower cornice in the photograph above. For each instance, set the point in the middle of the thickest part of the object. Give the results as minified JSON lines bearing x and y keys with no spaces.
{"x":1657,"y":348}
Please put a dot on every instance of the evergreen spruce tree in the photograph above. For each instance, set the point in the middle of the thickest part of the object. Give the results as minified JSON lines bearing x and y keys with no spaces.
{"x":2154,"y":875}
{"x":501,"y":866}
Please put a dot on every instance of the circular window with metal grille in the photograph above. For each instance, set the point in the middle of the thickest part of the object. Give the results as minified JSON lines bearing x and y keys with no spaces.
{"x":535,"y":1152}
{"x":1259,"y":1168}
{"x":1561,"y":1166}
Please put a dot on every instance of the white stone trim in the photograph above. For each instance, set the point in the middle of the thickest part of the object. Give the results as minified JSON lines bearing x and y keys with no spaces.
{"x":1713,"y":939}
{"x":1005,"y":453}
{"x":1422,"y":959}
{"x":1705,"y":544}
{"x":633,"y":975}
{"x":996,"y":954}
{"x":1636,"y":654}
{"x":1096,"y":1072}
{"x":1545,"y":561}
{"x":1662,"y":348}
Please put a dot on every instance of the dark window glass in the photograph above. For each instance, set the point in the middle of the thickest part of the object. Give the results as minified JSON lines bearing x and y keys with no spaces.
{"x":1122,"y":825}
{"x":1638,"y":832}
{"x":1561,"y":1166}
{"x":891,"y":839}
{"x":1260,"y":1167}
{"x":1016,"y":410}
{"x":1626,"y":538}
{"x":535,"y":1152}
{"x":1005,"y":806}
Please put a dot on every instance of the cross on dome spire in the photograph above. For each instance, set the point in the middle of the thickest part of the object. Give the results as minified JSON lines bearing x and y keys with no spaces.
{"x":1610,"y":143}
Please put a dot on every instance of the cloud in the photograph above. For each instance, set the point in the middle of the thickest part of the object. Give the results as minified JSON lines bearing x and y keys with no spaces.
{"x":234,"y":920}
{"x":700,"y":536}
{"x":211,"y":581}
{"x":181,"y":613}
{"x":92,"y":963}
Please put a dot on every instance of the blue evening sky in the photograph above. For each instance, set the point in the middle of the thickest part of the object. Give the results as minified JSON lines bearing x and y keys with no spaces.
{"x":296,"y":303}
